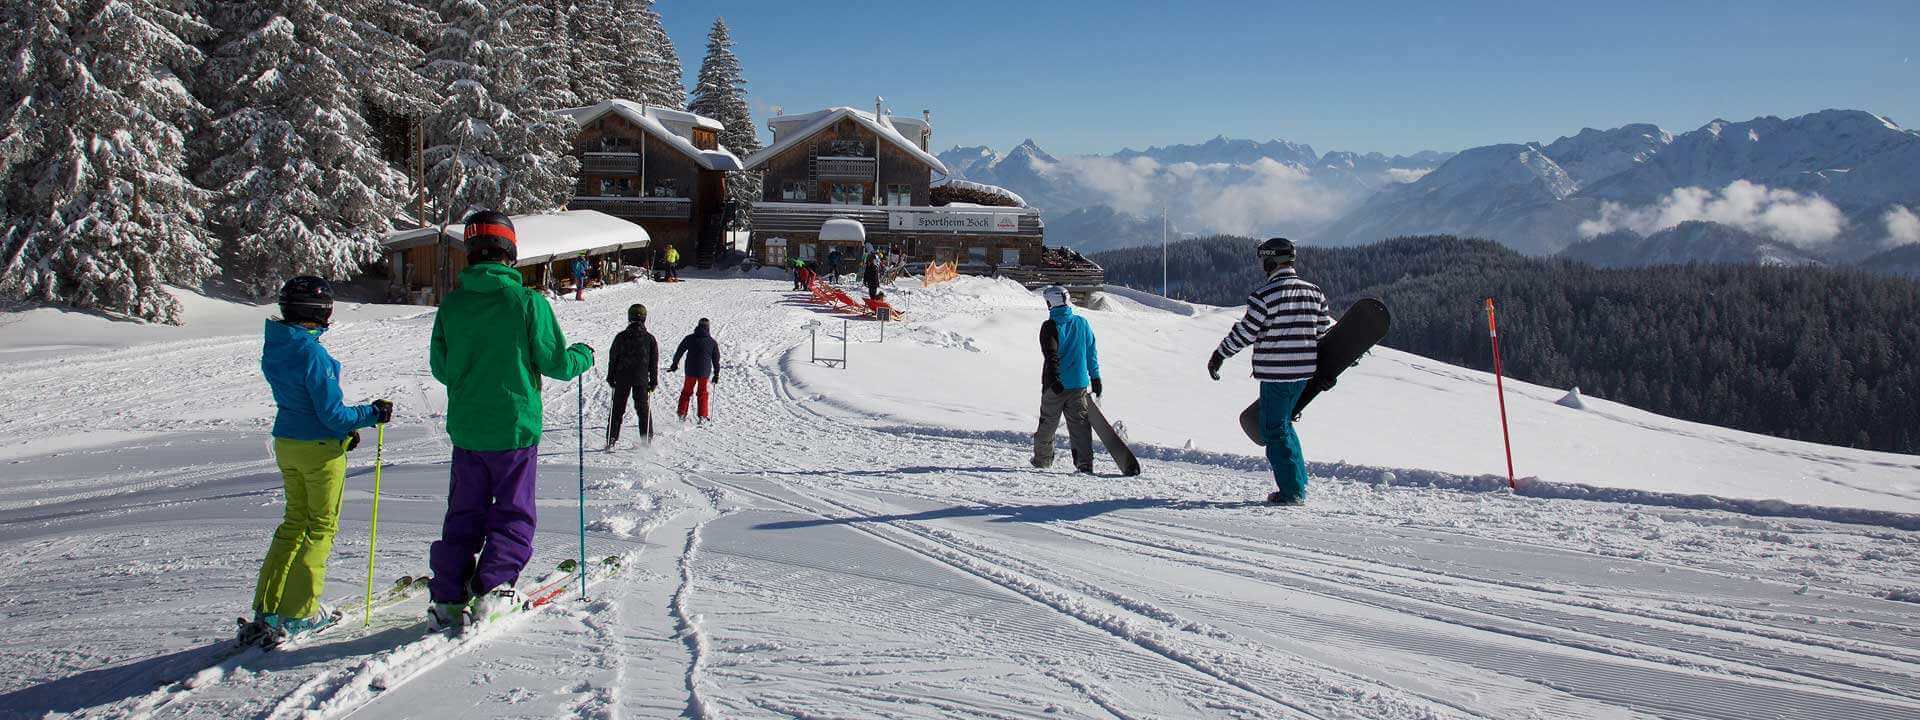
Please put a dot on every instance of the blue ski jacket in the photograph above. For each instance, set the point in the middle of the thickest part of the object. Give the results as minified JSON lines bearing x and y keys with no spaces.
{"x":1079,"y":359}
{"x":306,"y":386}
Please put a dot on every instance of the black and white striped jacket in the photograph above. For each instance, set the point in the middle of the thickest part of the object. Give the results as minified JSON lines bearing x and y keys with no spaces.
{"x":1284,"y":322}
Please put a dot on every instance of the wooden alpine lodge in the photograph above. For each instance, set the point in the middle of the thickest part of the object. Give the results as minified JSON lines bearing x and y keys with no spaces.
{"x":840,"y":178}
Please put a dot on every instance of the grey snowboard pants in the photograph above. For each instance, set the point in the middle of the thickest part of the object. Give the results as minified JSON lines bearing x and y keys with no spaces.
{"x":1073,"y":404}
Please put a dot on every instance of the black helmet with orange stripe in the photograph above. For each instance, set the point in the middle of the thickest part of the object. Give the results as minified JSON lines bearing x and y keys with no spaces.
{"x":490,"y":238}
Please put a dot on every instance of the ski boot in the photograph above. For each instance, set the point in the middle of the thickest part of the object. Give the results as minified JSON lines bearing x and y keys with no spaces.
{"x":291,"y":629}
{"x":253,"y":633}
{"x":492,"y":605}
{"x":447,"y":617}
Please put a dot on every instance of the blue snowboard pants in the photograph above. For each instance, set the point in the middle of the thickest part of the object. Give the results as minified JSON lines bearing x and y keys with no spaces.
{"x":1283,"y":444}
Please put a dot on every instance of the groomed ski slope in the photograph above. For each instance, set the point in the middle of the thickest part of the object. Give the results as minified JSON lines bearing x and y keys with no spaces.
{"x":868,"y":541}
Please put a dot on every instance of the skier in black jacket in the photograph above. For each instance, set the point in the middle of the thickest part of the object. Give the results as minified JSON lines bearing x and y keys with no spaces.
{"x":633,"y":369}
{"x":702,"y":354}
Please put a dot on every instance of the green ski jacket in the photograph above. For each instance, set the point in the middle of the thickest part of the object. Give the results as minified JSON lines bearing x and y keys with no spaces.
{"x":492,"y":340}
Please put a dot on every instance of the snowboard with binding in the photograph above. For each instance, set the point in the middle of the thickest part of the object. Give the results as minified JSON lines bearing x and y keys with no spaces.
{"x":1359,"y":329}
{"x":1116,"y":445}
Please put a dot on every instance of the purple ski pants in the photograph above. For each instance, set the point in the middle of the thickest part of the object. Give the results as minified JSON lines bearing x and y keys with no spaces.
{"x":491,"y":515}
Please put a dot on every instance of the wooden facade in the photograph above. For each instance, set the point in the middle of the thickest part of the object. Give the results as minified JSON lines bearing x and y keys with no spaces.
{"x":847,"y":169}
{"x":630,"y":173}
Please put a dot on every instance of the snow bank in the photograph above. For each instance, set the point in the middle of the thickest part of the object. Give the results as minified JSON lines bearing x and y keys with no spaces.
{"x":970,"y":363}
{"x":29,"y":333}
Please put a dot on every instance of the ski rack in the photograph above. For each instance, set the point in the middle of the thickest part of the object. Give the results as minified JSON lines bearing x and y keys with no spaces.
{"x":813,"y":344}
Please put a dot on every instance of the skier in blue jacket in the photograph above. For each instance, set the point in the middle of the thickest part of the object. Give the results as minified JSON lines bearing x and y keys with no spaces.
{"x":1070,"y":368}
{"x":312,"y":432}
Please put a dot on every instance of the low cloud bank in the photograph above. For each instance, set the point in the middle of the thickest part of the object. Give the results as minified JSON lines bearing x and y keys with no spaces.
{"x":1802,"y":220}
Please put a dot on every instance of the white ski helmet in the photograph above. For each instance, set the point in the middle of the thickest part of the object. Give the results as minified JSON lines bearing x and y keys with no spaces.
{"x":1056,"y":296}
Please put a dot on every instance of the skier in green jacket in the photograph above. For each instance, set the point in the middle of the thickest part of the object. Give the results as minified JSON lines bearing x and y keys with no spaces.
{"x":493,"y":339}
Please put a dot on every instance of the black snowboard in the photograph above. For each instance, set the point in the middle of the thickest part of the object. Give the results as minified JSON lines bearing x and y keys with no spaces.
{"x":1122,"y":455}
{"x":1363,"y":325}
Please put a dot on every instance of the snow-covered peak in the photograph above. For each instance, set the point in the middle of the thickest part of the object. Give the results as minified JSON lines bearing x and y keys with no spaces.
{"x":1494,"y":167}
{"x":1030,"y":151}
{"x":1594,"y":154}
{"x":963,"y":162}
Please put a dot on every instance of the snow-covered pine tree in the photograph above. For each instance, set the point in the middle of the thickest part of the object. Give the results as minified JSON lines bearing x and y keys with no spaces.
{"x":488,"y":144}
{"x":721,"y":94}
{"x":95,"y":204}
{"x":300,"y":185}
{"x":649,"y":69}
{"x":594,"y":27}
{"x":551,"y":52}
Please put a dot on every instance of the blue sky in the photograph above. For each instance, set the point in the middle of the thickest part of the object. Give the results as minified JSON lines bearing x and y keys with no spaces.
{"x":1093,"y":77}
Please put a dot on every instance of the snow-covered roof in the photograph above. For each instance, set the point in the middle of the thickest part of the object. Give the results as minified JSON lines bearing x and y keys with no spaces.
{"x":545,"y":236}
{"x":843,"y":230}
{"x":791,"y":129}
{"x":673,"y":127}
{"x":959,"y":184}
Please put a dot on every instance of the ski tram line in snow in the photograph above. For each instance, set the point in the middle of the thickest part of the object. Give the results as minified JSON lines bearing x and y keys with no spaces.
{"x":1332,"y":587}
{"x":1008,"y":579}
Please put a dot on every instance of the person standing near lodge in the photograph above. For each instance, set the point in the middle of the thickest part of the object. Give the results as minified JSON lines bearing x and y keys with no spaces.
{"x":580,"y":277}
{"x":833,"y":264}
{"x":702,"y":354}
{"x":312,"y":432}
{"x":633,"y":369}
{"x":872,"y":276}
{"x":799,"y":268}
{"x":493,"y":339}
{"x":1286,"y":317}
{"x":673,"y":264}
{"x":1070,"y":368}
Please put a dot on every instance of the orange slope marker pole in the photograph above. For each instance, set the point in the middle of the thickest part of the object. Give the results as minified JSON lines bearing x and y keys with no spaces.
{"x":1500,"y":390}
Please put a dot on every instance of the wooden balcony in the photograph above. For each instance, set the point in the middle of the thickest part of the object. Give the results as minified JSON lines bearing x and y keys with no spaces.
{"x":636,"y":208}
{"x":606,"y":163}
{"x":843,"y":168}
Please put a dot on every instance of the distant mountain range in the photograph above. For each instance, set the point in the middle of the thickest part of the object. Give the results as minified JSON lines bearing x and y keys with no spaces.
{"x":1826,"y":187}
{"x":1222,"y":185}
{"x":1818,"y":185}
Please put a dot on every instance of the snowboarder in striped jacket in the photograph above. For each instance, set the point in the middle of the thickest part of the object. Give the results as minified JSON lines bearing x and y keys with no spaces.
{"x":1285,"y":320}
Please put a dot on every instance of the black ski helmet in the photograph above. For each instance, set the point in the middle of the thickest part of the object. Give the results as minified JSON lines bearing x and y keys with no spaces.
{"x":490,"y":237}
{"x":636,"y":313}
{"x":306,"y":299}
{"x":1274,"y":253}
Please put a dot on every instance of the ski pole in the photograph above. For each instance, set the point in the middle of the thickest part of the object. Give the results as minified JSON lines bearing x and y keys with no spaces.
{"x":373,"y":537}
{"x":582,"y":386}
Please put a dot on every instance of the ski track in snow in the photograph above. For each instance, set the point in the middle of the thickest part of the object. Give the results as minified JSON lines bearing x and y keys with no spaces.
{"x":797,"y":558}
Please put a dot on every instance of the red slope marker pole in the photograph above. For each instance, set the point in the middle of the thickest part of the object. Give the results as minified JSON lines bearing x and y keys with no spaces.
{"x":1500,"y":390}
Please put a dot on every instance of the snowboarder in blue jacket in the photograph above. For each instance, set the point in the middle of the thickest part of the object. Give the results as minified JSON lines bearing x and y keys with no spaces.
{"x":312,"y":432}
{"x":1070,"y":368}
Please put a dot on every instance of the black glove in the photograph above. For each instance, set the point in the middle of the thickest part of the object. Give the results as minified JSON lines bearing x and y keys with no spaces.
{"x":1214,"y":363}
{"x":382,"y":412}
{"x":1096,"y":387}
{"x":353,"y":440}
{"x":651,"y":385}
{"x":674,"y":368}
{"x":1320,"y":384}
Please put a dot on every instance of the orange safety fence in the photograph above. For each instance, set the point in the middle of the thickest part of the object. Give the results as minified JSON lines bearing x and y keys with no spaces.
{"x":940,"y":272}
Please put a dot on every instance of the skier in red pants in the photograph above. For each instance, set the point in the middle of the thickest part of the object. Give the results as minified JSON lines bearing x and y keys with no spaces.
{"x":702,"y":354}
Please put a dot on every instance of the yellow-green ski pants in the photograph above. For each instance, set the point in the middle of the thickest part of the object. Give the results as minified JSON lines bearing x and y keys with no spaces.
{"x":295,"y":570}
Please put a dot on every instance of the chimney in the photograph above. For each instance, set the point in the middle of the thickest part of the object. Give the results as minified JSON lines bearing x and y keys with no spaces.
{"x":926,"y":130}
{"x":876,"y":107}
